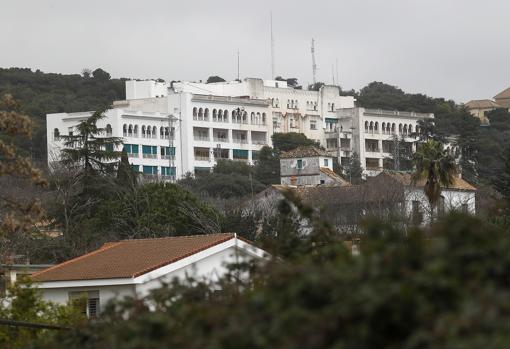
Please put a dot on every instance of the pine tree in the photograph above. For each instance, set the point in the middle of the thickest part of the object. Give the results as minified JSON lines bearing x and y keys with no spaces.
{"x":126,"y":177}
{"x":91,"y":149}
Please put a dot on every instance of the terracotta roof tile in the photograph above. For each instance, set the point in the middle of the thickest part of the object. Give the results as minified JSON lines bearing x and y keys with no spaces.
{"x":304,"y":152}
{"x":482,"y":104}
{"x":334,"y":176}
{"x":130,"y":258}
{"x":503,"y":94}
{"x":405,"y":179}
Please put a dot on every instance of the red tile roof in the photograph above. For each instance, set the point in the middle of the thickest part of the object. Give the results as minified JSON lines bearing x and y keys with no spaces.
{"x":130,"y":258}
{"x":406,"y":179}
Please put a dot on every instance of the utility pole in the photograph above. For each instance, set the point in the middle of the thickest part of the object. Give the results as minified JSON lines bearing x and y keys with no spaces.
{"x":314,"y":65}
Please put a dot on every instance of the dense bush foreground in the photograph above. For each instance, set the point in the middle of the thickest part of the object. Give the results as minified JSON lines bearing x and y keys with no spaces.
{"x":448,"y":288}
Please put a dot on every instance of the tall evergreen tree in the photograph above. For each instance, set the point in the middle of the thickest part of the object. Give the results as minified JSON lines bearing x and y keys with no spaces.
{"x":90,"y":148}
{"x":126,"y":177}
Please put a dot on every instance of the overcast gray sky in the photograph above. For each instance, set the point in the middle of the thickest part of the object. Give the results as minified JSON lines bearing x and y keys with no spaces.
{"x":458,"y":49}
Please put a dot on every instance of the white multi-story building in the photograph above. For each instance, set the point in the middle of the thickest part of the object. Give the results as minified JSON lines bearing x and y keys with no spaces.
{"x":372,"y":134}
{"x":172,"y":130}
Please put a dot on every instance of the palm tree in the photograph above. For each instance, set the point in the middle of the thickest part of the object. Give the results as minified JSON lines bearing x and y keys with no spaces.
{"x":435,"y":165}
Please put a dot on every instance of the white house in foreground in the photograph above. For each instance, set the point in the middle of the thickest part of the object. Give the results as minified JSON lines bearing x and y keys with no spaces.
{"x":132,"y":268}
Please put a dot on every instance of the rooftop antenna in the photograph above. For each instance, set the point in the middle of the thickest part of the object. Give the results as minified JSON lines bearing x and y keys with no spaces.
{"x":238,"y":70}
{"x":337,"y":78}
{"x":333,"y":73}
{"x":272,"y":47}
{"x":314,"y":66}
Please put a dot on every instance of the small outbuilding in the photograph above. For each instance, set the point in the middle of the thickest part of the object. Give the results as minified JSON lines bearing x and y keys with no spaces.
{"x":132,"y":268}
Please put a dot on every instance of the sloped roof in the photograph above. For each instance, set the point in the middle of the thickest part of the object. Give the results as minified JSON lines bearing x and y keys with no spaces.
{"x":482,"y":104}
{"x":304,"y":152}
{"x":130,"y":258}
{"x":406,"y":179}
{"x":503,"y":94}
{"x":334,"y":176}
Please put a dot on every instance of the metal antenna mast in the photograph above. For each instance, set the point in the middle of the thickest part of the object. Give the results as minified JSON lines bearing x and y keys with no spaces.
{"x":238,"y":72}
{"x":314,"y":66}
{"x":272,"y":48}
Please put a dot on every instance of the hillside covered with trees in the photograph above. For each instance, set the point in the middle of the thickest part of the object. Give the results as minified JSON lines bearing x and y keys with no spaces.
{"x":42,"y":93}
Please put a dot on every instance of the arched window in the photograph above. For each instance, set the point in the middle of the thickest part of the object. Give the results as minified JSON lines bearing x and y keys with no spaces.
{"x":383,"y":127}
{"x":200,"y":113}
{"x":405,"y":129}
{"x":143,"y":131}
{"x":393,"y":128}
{"x":410,"y":129}
{"x":376,"y":127}
{"x":371,"y":127}
{"x":56,"y":134}
{"x":252,"y":118}
{"x":161,"y":132}
{"x":295,"y":104}
{"x":135,"y":131}
{"x":220,"y":115}
{"x":225,"y":115}
{"x":167,"y":132}
{"x":277,"y":103}
{"x":154,"y":131}
{"x":245,"y":117}
{"x":263,"y":118}
{"x":130,"y":131}
{"x":400,"y":128}
{"x":332,"y":106}
{"x":366,"y":126}
{"x":109,"y":130}
{"x":124,"y":130}
{"x":206,"y":114}
{"x":258,"y":118}
{"x":215,"y":115}
{"x":194,"y":113}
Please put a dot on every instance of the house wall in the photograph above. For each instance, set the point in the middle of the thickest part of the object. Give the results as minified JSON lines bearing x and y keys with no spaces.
{"x":208,"y":265}
{"x":453,"y":200}
{"x":106,"y":293}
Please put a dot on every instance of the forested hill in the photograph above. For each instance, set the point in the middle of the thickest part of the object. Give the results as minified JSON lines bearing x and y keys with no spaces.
{"x":42,"y":93}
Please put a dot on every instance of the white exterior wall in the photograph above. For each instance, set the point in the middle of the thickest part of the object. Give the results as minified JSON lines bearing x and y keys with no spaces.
{"x":117,"y":118}
{"x":208,"y":265}
{"x":453,"y":201}
{"x":146,"y":89}
{"x":352,"y":126}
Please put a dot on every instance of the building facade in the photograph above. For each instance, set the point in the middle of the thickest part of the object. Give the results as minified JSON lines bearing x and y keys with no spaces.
{"x":173,"y":129}
{"x":373,"y":135}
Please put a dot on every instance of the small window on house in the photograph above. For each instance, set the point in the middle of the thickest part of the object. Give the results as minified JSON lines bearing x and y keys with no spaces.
{"x":299,"y":164}
{"x":464,"y":208}
{"x":87,"y":302}
{"x":323,"y":181}
{"x":70,"y":131}
{"x":56,"y":134}
{"x":326,"y":162}
{"x":313,"y":124}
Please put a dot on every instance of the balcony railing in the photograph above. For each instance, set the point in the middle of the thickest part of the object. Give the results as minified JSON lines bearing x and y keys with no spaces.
{"x":150,"y":156}
{"x":132,"y":155}
{"x":168,"y":157}
{"x":201,"y":138}
{"x":240,"y":141}
{"x":201,"y":158}
{"x":259,"y":141}
{"x":221,"y":139}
